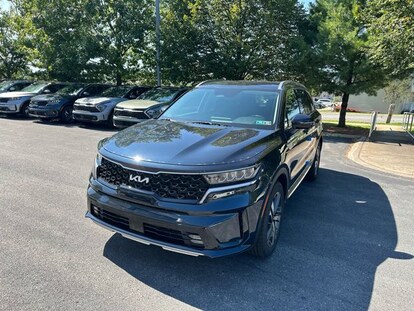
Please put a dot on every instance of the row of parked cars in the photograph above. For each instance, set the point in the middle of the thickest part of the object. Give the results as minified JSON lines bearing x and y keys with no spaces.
{"x":120,"y":106}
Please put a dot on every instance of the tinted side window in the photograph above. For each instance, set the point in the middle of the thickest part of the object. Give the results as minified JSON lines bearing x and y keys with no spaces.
{"x":305,"y":102}
{"x":19,"y":86}
{"x":55,"y":87}
{"x":136,"y":92}
{"x":95,"y":89}
{"x":292,"y":105}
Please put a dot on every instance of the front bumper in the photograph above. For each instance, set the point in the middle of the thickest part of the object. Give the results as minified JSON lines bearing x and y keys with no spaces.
{"x":10,"y":109}
{"x":80,"y":115}
{"x":124,"y":122}
{"x":214,"y":229}
{"x":44,"y":113}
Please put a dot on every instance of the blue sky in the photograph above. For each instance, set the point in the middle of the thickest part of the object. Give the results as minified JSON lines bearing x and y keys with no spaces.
{"x":4,"y":4}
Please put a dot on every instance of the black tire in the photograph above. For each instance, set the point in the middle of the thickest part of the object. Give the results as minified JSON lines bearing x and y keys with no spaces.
{"x":24,"y":111}
{"x":314,"y":170}
{"x":110,"y":121}
{"x":269,"y":228}
{"x":66,"y":115}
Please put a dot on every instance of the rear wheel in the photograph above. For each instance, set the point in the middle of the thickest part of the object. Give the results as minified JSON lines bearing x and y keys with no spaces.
{"x":66,"y":114}
{"x":314,"y":170}
{"x":269,"y":230}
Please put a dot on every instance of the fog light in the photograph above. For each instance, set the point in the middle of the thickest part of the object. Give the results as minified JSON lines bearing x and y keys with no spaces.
{"x":195,"y":239}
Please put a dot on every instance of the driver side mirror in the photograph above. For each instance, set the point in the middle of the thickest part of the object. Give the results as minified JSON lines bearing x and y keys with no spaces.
{"x":46,"y":91}
{"x":12,"y":89}
{"x":302,"y":122}
{"x":86,"y":94}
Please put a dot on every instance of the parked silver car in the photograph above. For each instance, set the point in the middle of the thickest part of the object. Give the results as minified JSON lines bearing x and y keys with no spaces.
{"x":18,"y":102}
{"x":99,"y":109}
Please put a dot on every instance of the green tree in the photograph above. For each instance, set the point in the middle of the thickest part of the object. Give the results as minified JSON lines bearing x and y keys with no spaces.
{"x":391,"y":26}
{"x":60,"y":36}
{"x":87,"y":40}
{"x":119,"y":29}
{"x":14,"y":58}
{"x":233,"y":39}
{"x":341,"y":52}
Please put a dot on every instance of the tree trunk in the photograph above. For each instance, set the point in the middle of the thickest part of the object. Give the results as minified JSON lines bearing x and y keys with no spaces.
{"x":118,"y":79}
{"x":342,"y":113}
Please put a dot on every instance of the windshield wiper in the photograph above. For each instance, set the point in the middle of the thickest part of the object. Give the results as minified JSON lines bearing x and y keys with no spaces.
{"x":209,"y":123}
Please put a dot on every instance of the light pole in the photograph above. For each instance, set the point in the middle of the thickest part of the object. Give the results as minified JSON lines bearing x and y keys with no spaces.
{"x":158,"y":35}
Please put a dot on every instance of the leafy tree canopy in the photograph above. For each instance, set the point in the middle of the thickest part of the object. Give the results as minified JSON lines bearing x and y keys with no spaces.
{"x":391,"y":27}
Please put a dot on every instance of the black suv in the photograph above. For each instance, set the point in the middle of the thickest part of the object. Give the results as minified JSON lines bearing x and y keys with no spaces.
{"x":60,"y":105}
{"x":211,"y":175}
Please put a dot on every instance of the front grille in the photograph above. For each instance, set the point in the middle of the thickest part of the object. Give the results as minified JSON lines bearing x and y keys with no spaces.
{"x":139,"y":114}
{"x":87,"y":108}
{"x":111,"y":218}
{"x":4,"y":100}
{"x":84,"y":117}
{"x":168,"y":186}
{"x":40,"y":103}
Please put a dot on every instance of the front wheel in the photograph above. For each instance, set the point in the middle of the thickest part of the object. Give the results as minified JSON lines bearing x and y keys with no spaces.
{"x":25,"y":110}
{"x":66,"y":114}
{"x":269,"y":230}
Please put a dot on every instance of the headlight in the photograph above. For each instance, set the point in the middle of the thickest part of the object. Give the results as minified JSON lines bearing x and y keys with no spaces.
{"x":16,"y":98}
{"x":232,"y":176}
{"x":153,"y":112}
{"x":98,"y":161}
{"x":102,"y":106}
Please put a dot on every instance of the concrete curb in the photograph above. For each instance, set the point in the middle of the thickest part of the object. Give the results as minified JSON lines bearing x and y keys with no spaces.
{"x":354,"y":155}
{"x":355,"y":137}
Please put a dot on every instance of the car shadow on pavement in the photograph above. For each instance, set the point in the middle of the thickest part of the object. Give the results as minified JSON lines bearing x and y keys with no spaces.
{"x":336,"y":232}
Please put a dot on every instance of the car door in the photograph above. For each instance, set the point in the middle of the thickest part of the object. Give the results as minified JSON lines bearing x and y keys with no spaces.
{"x":299,"y":150}
{"x":294,"y":137}
{"x":311,"y":135}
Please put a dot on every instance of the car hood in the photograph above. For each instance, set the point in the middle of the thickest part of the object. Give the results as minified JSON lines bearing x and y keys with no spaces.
{"x":17,"y":94}
{"x":93,"y":101}
{"x":50,"y":97}
{"x":177,"y":143}
{"x":138,"y":104}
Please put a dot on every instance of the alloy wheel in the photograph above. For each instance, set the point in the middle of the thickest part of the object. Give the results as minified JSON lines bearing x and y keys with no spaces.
{"x":274,"y":218}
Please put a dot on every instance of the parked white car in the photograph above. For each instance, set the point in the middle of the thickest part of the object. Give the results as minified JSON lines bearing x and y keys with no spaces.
{"x":323,"y":103}
{"x":100,"y":109}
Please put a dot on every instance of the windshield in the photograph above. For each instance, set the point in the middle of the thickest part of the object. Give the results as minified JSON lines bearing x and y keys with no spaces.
{"x":228,"y":105}
{"x":35,"y":87}
{"x":116,"y":91}
{"x":72,"y":89}
{"x":5,"y":85}
{"x":161,"y":95}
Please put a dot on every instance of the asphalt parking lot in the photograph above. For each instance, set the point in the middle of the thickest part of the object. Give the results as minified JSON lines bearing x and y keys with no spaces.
{"x":347,"y":242}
